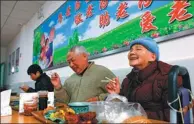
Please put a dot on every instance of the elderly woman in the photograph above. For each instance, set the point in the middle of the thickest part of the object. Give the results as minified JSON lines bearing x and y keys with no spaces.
{"x":147,"y":83}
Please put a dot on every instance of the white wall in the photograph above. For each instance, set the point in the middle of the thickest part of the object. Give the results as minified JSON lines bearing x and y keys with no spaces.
{"x":176,"y":49}
{"x":3,"y":54}
{"x":24,"y":40}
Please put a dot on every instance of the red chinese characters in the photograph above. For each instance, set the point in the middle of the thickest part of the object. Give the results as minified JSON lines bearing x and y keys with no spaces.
{"x":77,"y":5}
{"x":103,"y":4}
{"x":104,"y":19}
{"x":89,"y":11}
{"x":68,"y":11}
{"x":78,"y":19}
{"x":146,"y":22}
{"x":121,"y":11}
{"x":145,"y":3}
{"x":60,"y":17}
{"x":179,"y":11}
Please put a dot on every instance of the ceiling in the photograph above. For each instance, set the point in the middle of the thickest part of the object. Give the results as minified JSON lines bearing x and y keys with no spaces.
{"x":14,"y":14}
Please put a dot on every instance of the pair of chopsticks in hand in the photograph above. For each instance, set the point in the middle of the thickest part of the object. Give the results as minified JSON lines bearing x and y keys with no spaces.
{"x":108,"y":80}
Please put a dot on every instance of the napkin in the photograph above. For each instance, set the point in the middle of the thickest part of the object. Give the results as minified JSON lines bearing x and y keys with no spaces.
{"x":50,"y":99}
{"x":5,"y":100}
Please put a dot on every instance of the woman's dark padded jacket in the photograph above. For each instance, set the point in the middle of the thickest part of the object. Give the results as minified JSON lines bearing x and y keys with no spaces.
{"x":149,"y":87}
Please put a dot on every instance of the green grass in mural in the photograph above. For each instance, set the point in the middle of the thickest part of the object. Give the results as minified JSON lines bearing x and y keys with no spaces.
{"x":130,"y":31}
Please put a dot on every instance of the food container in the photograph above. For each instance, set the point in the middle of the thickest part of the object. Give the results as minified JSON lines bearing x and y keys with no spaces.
{"x":115,"y":112}
{"x":30,"y":106}
{"x":79,"y":107}
{"x":43,"y":99}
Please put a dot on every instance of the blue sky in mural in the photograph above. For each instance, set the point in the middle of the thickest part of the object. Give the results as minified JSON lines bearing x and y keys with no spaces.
{"x":88,"y":28}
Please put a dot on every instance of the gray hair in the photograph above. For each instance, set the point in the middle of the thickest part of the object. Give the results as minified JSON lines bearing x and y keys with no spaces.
{"x":79,"y":50}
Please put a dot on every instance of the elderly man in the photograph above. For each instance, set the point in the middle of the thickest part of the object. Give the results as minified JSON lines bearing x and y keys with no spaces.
{"x":147,"y":83}
{"x":86,"y":83}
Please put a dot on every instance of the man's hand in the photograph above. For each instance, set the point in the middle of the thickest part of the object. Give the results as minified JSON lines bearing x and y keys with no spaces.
{"x":55,"y":79}
{"x":93,"y":99}
{"x":24,"y":88}
{"x":113,"y":86}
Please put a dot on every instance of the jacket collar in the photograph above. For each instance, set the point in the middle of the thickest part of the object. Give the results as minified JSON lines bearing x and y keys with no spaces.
{"x":164,"y":69}
{"x":42,"y":75}
{"x":143,"y":74}
{"x":90,"y":64}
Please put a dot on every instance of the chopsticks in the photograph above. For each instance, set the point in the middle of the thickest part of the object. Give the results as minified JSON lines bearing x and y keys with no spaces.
{"x":108,"y":80}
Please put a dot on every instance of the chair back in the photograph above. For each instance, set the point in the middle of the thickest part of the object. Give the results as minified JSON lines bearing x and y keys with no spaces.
{"x":179,"y":97}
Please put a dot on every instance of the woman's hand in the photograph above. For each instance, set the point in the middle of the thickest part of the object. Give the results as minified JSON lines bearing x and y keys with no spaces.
{"x":113,"y":86}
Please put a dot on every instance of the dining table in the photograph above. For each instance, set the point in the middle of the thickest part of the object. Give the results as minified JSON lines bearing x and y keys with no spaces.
{"x":17,"y":117}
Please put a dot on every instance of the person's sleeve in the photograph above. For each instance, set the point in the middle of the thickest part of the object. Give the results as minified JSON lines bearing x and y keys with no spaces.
{"x":61,"y":95}
{"x":122,"y":87}
{"x":109,"y":74}
{"x":50,"y":85}
{"x":45,"y":84}
{"x":30,"y":90}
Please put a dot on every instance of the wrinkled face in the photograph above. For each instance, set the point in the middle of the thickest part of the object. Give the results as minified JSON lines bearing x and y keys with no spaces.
{"x":139,"y":57}
{"x":33,"y":76}
{"x":77,"y":62}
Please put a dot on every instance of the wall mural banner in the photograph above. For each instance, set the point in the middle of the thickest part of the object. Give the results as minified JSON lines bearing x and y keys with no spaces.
{"x":105,"y":27}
